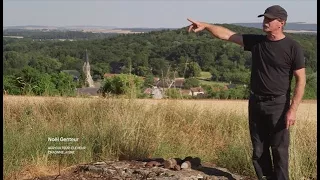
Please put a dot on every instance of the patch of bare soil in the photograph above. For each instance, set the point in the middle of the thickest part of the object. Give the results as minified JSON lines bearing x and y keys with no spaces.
{"x":151,"y":169}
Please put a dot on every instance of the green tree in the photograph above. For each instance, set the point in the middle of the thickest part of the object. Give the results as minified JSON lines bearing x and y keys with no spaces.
{"x":45,"y":64}
{"x":224,"y":94}
{"x":123,"y":84}
{"x":173,"y":93}
{"x":311,"y":86}
{"x":45,"y":86}
{"x":215,"y":74}
{"x":142,"y":71}
{"x":68,"y":62}
{"x":191,"y":82}
{"x":64,"y":84}
{"x":100,"y":69}
{"x":11,"y":85}
{"x":193,"y":70}
{"x":14,"y":62}
{"x":158,"y":65}
{"x":149,"y":81}
{"x":29,"y":80}
{"x":239,"y":92}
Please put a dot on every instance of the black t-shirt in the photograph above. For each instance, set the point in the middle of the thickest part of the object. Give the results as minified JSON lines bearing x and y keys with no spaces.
{"x":273,"y":63}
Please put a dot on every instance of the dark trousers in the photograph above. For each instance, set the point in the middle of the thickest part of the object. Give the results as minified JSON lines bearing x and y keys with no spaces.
{"x":268,"y":129}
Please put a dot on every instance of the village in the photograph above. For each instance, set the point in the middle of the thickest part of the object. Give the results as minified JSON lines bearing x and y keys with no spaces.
{"x":157,"y":89}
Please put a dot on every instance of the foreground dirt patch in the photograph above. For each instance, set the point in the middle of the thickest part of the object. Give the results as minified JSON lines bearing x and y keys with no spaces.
{"x":154,"y":169}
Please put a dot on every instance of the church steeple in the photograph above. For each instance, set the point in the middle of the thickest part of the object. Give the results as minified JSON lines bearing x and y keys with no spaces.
{"x":87,"y":57}
{"x":86,"y":70}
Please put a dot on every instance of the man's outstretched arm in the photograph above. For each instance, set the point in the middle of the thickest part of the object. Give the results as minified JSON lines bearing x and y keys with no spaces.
{"x":217,"y":31}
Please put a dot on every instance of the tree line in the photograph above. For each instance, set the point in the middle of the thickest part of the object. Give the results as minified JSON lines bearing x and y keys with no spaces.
{"x":56,"y":34}
{"x":156,"y":53}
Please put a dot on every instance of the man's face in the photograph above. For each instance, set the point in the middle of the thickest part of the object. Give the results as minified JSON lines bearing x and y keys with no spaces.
{"x":272,"y":25}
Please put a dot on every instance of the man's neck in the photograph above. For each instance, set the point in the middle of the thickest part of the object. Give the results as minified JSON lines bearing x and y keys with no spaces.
{"x":275,"y":36}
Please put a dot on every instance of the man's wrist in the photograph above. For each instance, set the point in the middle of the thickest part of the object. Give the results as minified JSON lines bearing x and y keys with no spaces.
{"x":293,"y":108}
{"x":208,"y":25}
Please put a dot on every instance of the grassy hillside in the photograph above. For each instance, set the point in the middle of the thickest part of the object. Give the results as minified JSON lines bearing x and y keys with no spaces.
{"x":215,"y":131}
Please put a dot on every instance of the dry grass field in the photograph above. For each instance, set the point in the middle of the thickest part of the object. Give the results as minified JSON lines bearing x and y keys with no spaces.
{"x":214,"y":130}
{"x":307,"y":109}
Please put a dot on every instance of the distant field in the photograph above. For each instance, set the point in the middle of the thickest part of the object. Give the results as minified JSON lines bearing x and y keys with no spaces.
{"x":205,"y":75}
{"x":300,"y":31}
{"x":203,"y":82}
{"x":205,"y":79}
{"x":18,"y":37}
{"x":119,"y":31}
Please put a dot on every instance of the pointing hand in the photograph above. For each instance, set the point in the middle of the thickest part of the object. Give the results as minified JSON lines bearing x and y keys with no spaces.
{"x":196,"y":26}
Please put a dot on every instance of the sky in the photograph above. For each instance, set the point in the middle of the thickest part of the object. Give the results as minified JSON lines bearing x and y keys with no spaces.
{"x":147,"y":13}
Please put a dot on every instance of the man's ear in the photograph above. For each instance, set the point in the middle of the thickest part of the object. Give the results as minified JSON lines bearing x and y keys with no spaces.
{"x":283,"y":23}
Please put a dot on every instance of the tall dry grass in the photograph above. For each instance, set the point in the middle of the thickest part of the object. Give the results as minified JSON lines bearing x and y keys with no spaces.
{"x":116,"y":128}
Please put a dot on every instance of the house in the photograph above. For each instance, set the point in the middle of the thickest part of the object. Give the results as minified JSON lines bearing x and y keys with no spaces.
{"x":148,"y":91}
{"x":185,"y":92}
{"x":179,"y":82}
{"x":155,"y":92}
{"x":176,"y":83}
{"x":196,"y":91}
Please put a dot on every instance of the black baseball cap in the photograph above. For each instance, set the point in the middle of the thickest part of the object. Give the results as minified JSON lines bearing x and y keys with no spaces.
{"x":275,"y":12}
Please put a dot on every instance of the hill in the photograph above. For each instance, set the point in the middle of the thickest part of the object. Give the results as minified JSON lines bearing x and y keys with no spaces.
{"x":292,"y":26}
{"x":157,"y":53}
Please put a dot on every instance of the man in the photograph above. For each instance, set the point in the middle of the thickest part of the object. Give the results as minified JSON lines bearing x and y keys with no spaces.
{"x":275,"y":59}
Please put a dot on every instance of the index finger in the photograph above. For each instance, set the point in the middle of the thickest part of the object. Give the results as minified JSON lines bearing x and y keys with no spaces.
{"x":287,"y":124}
{"x":191,"y":20}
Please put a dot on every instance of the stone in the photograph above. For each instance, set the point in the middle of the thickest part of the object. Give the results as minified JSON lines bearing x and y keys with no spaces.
{"x":136,"y":170}
{"x":188,"y":158}
{"x":186,"y":165}
{"x":152,"y":164}
{"x":170,"y":163}
{"x":195,"y":162}
{"x":177,"y":168}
